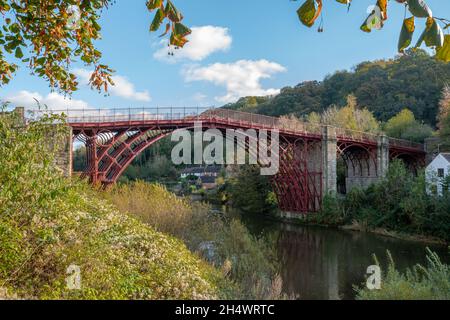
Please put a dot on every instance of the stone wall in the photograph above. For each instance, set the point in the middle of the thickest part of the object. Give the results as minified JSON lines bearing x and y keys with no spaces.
{"x":61,"y":145}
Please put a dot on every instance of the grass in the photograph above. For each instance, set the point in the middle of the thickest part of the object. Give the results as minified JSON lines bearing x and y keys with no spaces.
{"x":431,"y":282}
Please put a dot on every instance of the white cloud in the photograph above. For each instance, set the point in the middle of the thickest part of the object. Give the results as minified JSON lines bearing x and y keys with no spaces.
{"x":122,"y":86}
{"x":241,"y":78}
{"x":53,"y":100}
{"x":199,"y":97}
{"x":203,"y":41}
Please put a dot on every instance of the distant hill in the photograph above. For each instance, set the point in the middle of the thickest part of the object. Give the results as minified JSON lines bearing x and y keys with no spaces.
{"x":385,"y":87}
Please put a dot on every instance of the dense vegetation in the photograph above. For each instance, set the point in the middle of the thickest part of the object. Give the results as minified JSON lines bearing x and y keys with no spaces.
{"x":444,"y":118}
{"x":245,"y":188}
{"x":48,"y":223}
{"x":430,"y":282}
{"x":399,"y":202}
{"x":385,"y":87}
{"x":247,"y":261}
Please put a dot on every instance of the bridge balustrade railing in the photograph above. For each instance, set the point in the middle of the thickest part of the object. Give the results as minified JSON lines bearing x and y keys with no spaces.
{"x":122,"y":114}
{"x":355,"y":135}
{"x":267,"y":122}
{"x":288,"y":124}
{"x":242,"y":117}
{"x":405,"y":144}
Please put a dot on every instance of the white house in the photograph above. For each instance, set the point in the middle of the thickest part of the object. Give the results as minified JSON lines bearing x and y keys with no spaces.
{"x":436,"y":173}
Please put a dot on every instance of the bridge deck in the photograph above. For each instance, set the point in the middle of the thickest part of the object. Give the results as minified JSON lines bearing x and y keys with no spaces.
{"x":113,"y":119}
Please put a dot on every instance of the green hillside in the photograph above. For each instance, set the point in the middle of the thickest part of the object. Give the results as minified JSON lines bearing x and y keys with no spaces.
{"x":385,"y":87}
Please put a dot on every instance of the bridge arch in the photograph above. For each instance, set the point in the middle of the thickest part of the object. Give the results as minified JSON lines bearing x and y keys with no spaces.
{"x":356,"y":165}
{"x":412,"y":162}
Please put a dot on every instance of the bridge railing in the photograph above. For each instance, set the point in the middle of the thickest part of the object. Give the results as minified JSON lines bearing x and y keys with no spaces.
{"x":242,"y":117}
{"x":124,"y":114}
{"x":405,"y":144}
{"x":355,"y":135}
{"x":203,"y":114}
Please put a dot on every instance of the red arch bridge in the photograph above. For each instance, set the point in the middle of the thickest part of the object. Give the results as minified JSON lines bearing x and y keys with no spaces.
{"x":308,"y":153}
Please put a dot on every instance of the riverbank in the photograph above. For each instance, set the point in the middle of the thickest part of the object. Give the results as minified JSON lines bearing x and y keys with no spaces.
{"x":397,"y":235}
{"x":309,"y":220}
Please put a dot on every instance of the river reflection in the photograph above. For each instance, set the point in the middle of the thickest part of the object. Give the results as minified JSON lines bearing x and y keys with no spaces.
{"x":325,"y":263}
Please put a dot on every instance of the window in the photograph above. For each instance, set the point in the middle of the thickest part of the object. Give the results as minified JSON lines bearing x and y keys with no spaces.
{"x":441,"y":172}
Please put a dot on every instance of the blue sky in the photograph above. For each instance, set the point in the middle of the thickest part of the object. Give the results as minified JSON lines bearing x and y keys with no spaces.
{"x":251,"y":47}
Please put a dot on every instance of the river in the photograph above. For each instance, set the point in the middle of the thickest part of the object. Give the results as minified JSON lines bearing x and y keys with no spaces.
{"x":325,"y":263}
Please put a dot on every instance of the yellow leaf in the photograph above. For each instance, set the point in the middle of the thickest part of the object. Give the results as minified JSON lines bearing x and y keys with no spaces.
{"x":406,"y":34}
{"x":443,"y":53}
{"x":430,"y":22}
{"x":409,"y":24}
{"x":382,"y":4}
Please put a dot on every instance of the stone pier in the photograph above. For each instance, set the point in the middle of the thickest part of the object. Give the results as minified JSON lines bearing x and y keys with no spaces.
{"x":363,"y":167}
{"x":329,"y":160}
{"x":59,"y":144}
{"x":382,"y":156}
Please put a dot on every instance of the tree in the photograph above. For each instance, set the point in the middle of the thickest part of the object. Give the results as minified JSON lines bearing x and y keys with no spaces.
{"x":313,"y":117}
{"x":350,"y":117}
{"x":405,"y":126}
{"x":444,"y":117}
{"x":49,"y":35}
{"x":384,"y":87}
{"x":250,"y":191}
{"x":398,"y":124}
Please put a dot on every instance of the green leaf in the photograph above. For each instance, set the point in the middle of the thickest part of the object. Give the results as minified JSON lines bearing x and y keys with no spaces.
{"x":154,"y":4}
{"x":181,"y":30}
{"x":371,"y":22}
{"x":172,"y":12}
{"x":157,"y":20}
{"x":308,"y":13}
{"x":19,"y":53}
{"x":432,"y":35}
{"x":406,"y":34}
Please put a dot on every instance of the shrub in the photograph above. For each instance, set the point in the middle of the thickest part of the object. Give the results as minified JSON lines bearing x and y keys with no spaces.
{"x":154,"y":205}
{"x":398,"y":202}
{"x":249,"y":261}
{"x":250,"y":191}
{"x":431,"y":282}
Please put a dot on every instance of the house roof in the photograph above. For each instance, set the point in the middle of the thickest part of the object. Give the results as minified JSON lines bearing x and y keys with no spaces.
{"x":446,"y":155}
{"x":208,"y":179}
{"x":202,"y":169}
